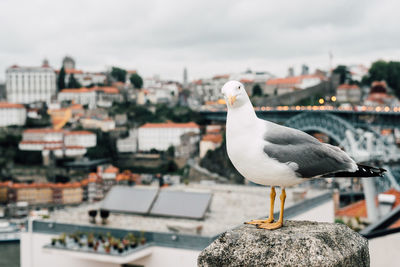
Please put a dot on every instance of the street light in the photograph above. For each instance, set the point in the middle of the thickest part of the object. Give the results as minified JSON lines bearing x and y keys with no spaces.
{"x":321,"y":101}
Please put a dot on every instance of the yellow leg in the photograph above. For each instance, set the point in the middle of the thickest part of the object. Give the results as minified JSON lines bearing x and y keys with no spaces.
{"x":279,"y":223}
{"x":271,"y":210}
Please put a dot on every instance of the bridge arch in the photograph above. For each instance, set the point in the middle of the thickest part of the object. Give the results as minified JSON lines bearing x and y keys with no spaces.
{"x":333,"y":126}
{"x":336,"y":128}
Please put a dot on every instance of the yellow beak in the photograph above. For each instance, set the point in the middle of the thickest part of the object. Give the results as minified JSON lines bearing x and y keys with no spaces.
{"x":231,"y":100}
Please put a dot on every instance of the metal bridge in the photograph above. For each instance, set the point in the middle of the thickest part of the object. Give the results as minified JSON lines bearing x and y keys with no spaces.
{"x":358,"y":117}
{"x":354,"y":131}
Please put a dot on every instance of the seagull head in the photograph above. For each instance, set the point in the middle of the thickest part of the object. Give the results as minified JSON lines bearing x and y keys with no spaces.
{"x":235,"y":95}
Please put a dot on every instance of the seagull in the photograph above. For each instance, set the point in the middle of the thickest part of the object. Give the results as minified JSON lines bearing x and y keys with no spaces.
{"x":270,"y":154}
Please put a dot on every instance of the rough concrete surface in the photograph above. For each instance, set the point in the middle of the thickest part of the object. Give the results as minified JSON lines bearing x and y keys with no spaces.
{"x":297,"y":243}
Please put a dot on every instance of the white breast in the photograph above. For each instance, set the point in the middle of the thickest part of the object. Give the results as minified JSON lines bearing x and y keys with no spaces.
{"x":245,"y":145}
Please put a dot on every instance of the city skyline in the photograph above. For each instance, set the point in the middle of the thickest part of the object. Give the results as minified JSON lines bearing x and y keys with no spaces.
{"x":207,"y":38}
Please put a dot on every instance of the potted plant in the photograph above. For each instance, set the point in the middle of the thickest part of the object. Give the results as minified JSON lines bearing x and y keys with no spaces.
{"x":62,"y":239}
{"x":132,"y":240}
{"x":104,"y":215}
{"x":107,"y":247}
{"x":126,"y":243}
{"x":142,"y":238}
{"x":92,"y":215}
{"x":90,"y":241}
{"x":115,"y":243}
{"x":120,"y":247}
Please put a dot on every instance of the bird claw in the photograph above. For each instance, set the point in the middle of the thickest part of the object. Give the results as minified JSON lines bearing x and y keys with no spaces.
{"x":270,"y":226}
{"x":257,"y":222}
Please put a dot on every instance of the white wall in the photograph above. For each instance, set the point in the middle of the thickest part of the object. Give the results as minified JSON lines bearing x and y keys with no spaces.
{"x":84,"y":140}
{"x":12,"y":116}
{"x":384,"y":251}
{"x":161,"y":138}
{"x":163,"y":256}
{"x":33,"y":255}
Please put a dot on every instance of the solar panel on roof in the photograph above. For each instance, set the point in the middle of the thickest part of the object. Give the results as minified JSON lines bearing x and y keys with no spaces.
{"x":129,"y":199}
{"x":181,"y":204}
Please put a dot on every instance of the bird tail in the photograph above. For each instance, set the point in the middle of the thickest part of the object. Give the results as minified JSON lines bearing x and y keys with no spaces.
{"x":363,"y":171}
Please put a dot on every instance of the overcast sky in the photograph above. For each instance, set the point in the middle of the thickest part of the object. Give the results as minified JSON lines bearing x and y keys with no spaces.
{"x":208,"y":37}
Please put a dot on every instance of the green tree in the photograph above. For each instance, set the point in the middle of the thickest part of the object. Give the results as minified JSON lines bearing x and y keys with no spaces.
{"x":73,"y":83}
{"x":257,"y":91}
{"x":387,"y":71}
{"x":171,"y":152}
{"x":344,"y":74}
{"x":136,"y":80}
{"x":61,"y":79}
{"x":118,"y":74}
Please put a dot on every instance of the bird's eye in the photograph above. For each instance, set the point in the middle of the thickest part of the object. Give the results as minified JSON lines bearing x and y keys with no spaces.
{"x":239,"y":87}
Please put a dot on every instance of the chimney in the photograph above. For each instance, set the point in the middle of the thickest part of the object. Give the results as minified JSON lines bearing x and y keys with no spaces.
{"x":385,"y":203}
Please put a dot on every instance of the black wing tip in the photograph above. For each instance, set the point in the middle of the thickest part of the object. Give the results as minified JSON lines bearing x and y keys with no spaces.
{"x":363,"y":171}
{"x":373,"y":171}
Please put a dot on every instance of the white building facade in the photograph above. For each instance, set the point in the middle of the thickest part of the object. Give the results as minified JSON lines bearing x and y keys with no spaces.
{"x":26,"y":85}
{"x":80,"y":138}
{"x":347,"y":93}
{"x":12,"y":114}
{"x":62,"y":143}
{"x":83,"y":96}
{"x":160,"y":136}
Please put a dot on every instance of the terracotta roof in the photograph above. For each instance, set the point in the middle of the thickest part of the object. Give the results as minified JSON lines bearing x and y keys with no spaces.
{"x":396,"y":224}
{"x":215,"y":138}
{"x":84,"y":182}
{"x":40,"y":142}
{"x":246,"y":81}
{"x":77,"y":90}
{"x":79,"y":133}
{"x":111,"y":169}
{"x":107,"y":89}
{"x":76,"y":106}
{"x":33,"y":185}
{"x":359,"y":209}
{"x":214,"y":131}
{"x":292,"y":80}
{"x":118,"y":84}
{"x":10,"y":105}
{"x":6,"y":183}
{"x":122,"y":177}
{"x":348,"y":87}
{"x":170,"y":125}
{"x":67,"y":185}
{"x":223,"y":76}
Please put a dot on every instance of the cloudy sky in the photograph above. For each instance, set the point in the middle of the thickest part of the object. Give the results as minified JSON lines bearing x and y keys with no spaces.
{"x":208,"y":37}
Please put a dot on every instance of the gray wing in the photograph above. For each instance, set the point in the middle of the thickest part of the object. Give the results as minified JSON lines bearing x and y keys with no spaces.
{"x":311,"y":157}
